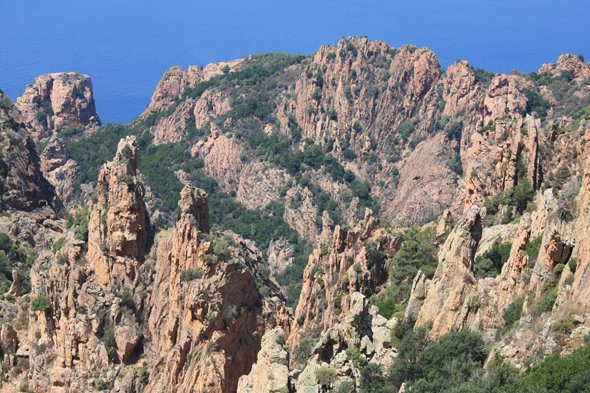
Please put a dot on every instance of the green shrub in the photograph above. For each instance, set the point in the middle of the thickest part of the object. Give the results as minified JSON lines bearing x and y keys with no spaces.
{"x":455,"y":164}
{"x":62,"y":259}
{"x":191,"y":274}
{"x":356,"y":357}
{"x":417,"y":252}
{"x":468,"y":278}
{"x":372,"y":380}
{"x":387,"y":307}
{"x":347,"y":387}
{"x":127,"y":299}
{"x":549,"y":283}
{"x":325,"y":376}
{"x":126,"y":152}
{"x":559,"y":374}
{"x":81,"y":224}
{"x":145,"y":376}
{"x":573,"y":264}
{"x":564,"y":325}
{"x":533,"y":247}
{"x":558,"y":269}
{"x":372,"y":254}
{"x":303,"y":351}
{"x":546,"y":303}
{"x":40,"y":303}
{"x":332,"y":114}
{"x":490,"y":263}
{"x":110,"y":343}
{"x":58,"y":245}
{"x":301,"y":320}
{"x":210,"y":347}
{"x":101,"y":385}
{"x":513,"y":312}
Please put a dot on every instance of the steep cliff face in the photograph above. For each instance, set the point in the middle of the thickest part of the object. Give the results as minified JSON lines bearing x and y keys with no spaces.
{"x":498,"y":159}
{"x":59,"y":169}
{"x":322,"y":140}
{"x":207,"y":331}
{"x":183,"y":312}
{"x":390,"y":116}
{"x":176,"y":79}
{"x":56,"y":101}
{"x":355,"y":261}
{"x":546,"y":285}
{"x":23,"y":186}
{"x":118,"y":226}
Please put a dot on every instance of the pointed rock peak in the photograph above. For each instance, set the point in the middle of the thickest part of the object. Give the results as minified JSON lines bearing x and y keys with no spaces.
{"x":194,"y":201}
{"x":567,"y":62}
{"x":462,"y":243}
{"x":54,"y":155}
{"x":128,"y":151}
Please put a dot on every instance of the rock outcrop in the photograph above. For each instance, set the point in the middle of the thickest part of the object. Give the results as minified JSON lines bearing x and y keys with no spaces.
{"x":59,"y":169}
{"x":56,"y":101}
{"x":208,"y":330}
{"x":270,"y":373}
{"x":195,"y":303}
{"x":118,"y":226}
{"x":23,"y":186}
{"x":356,"y":261}
{"x":570,"y":63}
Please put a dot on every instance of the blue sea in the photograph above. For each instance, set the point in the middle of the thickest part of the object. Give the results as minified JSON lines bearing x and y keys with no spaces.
{"x":126,"y":45}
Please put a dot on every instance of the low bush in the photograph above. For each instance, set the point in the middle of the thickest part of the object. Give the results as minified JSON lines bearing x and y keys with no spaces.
{"x":40,"y":303}
{"x":191,"y":274}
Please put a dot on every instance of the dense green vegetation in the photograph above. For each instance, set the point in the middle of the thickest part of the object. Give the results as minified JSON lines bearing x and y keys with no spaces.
{"x":516,"y":200}
{"x":482,"y":76}
{"x":417,"y":252}
{"x":40,"y":303}
{"x":455,"y":364}
{"x":563,"y":88}
{"x":14,"y":257}
{"x":490,"y":263}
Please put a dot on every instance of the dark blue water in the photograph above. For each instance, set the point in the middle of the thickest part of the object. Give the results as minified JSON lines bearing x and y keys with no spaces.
{"x":126,"y":45}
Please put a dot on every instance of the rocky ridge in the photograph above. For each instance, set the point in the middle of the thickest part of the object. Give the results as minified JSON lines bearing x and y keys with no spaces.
{"x":192,"y":308}
{"x":56,"y":101}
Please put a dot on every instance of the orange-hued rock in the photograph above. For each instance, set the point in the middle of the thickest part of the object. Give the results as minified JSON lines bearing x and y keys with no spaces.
{"x":9,"y":339}
{"x":333,"y":273}
{"x":69,"y":95}
{"x":258,"y":185}
{"x":567,"y":62}
{"x":270,"y":373}
{"x":493,"y":158}
{"x":174,"y":81}
{"x":23,"y":186}
{"x":196,"y":325}
{"x":426,"y":184}
{"x":118,"y":226}
{"x":359,"y":100}
{"x":170,"y":87}
{"x":455,"y":298}
{"x":59,"y":169}
{"x":280,"y":255}
{"x":505,"y":95}
{"x":202,"y":331}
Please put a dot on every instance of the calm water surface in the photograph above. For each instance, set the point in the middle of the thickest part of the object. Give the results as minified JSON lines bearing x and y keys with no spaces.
{"x":125,"y":46}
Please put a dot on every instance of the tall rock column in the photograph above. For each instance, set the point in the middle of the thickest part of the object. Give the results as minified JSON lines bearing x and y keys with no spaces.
{"x":443,"y":297}
{"x":118,"y":226}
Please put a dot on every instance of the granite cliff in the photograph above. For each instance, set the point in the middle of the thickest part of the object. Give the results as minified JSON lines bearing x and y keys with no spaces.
{"x":297,"y":224}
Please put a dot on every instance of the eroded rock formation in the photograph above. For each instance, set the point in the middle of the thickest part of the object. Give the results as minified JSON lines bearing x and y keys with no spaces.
{"x":56,"y":101}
